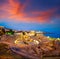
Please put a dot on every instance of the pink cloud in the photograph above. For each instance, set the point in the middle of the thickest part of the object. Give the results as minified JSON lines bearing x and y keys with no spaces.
{"x":16,"y":11}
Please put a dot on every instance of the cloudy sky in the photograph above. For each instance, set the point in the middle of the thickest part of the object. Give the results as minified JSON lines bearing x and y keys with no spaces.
{"x":41,"y":15}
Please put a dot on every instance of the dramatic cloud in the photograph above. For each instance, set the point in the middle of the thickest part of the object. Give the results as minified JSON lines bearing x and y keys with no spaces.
{"x":15,"y":9}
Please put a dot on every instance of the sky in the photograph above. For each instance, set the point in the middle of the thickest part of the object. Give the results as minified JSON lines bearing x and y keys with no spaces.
{"x":39,"y":15}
